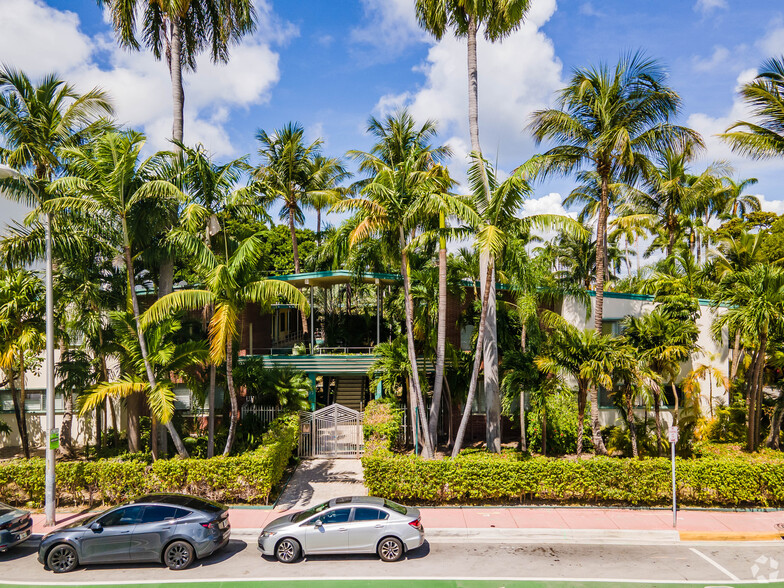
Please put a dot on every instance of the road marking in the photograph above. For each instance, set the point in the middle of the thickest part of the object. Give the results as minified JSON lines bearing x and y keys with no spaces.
{"x":716,"y":565}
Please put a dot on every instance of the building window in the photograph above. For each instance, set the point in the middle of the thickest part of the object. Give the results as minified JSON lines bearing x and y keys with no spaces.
{"x":35,"y":401}
{"x":612,"y":327}
{"x":667,"y":397}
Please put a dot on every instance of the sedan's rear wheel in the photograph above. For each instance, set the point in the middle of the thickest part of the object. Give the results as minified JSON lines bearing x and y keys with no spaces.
{"x":62,"y":558}
{"x":179,"y":555}
{"x":287,"y":550}
{"x":390,"y":549}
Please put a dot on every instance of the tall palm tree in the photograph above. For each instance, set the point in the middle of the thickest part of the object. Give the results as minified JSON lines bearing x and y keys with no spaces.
{"x":755,"y":301}
{"x":178,"y":31}
{"x":110,"y":180}
{"x":228,"y":285}
{"x":763,"y":137}
{"x":611,"y":121}
{"x":465,"y":18}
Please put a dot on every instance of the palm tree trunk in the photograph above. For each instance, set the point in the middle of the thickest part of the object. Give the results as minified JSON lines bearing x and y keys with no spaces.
{"x":435,"y":406}
{"x":211,"y":414}
{"x":477,"y":363}
{"x":582,"y":393}
{"x":760,"y":384}
{"x":473,"y":96}
{"x":601,"y":239}
{"x":175,"y":70}
{"x":523,"y":441}
{"x":490,"y":350}
{"x":630,"y":421}
{"x":676,"y":411}
{"x":142,"y":342}
{"x":449,"y":406}
{"x":22,"y":397}
{"x":596,"y":427}
{"x":427,"y":444}
{"x":154,"y":437}
{"x":235,"y":412}
{"x":19,"y":413}
{"x":736,"y":356}
{"x":657,"y":417}
{"x":66,"y":441}
{"x":751,"y":401}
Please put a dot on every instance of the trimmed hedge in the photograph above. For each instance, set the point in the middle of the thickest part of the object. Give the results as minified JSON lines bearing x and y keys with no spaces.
{"x":485,"y":478}
{"x":249,"y":477}
{"x":381,"y":422}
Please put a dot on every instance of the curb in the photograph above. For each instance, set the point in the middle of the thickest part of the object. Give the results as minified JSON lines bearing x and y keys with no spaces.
{"x":728,"y":536}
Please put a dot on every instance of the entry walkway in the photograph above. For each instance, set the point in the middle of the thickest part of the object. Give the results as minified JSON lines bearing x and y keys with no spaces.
{"x":317,"y":480}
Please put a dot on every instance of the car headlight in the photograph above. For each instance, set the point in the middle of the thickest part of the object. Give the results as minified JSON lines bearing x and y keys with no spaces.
{"x":266,"y":534}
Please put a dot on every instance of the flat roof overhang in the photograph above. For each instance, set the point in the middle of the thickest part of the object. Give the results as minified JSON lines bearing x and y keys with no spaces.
{"x":334,"y":277}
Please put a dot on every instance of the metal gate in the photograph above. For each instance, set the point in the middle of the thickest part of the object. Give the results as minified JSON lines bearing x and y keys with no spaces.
{"x":333,"y":431}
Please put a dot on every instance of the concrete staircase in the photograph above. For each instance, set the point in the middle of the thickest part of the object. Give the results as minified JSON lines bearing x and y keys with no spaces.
{"x":350,"y":392}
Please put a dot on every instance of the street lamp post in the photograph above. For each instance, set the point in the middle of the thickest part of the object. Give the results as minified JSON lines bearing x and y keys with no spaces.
{"x":49,"y":493}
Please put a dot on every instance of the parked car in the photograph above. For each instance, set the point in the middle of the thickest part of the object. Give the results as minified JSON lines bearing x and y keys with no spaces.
{"x":15,"y":526}
{"x":354,"y":524}
{"x":173,"y":529}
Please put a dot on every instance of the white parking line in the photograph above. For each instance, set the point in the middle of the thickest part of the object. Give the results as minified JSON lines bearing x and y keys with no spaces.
{"x":716,"y":565}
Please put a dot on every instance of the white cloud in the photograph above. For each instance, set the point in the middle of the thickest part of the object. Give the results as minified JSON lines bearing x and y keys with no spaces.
{"x":773,"y":42}
{"x":588,"y":9}
{"x":776,"y":206}
{"x":391,"y":26}
{"x":139,"y":85}
{"x":718,"y":59}
{"x":516,"y":76}
{"x":708,"y":6}
{"x":548,"y":204}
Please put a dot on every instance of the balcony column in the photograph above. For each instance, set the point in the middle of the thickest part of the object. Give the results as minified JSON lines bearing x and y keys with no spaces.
{"x":312,"y":393}
{"x":379,"y":298}
{"x":312,"y":317}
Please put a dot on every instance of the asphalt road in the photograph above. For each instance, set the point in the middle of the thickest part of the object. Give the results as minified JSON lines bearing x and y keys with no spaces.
{"x":708,"y":564}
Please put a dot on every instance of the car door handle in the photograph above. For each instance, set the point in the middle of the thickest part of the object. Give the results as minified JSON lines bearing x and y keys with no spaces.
{"x":379,"y":526}
{"x":124,"y":532}
{"x":342,"y":529}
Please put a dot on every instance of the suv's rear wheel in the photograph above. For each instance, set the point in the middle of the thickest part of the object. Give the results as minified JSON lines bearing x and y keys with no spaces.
{"x":62,"y":558}
{"x":390,"y":549}
{"x":287,"y":550}
{"x":178,"y":555}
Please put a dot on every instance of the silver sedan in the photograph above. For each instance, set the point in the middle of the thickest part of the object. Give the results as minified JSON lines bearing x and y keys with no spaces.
{"x":354,"y":524}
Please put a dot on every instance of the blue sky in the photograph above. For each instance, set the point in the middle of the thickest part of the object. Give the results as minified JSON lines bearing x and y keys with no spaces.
{"x":330,"y":65}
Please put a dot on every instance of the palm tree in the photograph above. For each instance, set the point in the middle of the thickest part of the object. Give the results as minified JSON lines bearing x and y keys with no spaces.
{"x":109,"y":180}
{"x":610,"y":121}
{"x":21,"y":335}
{"x":228,"y":285}
{"x":179,"y":31}
{"x":465,"y":18}
{"x":736,"y":203}
{"x":168,"y":359}
{"x":586,"y":357}
{"x":764,"y":96}
{"x":662,"y":343}
{"x":299,"y":176}
{"x":755,"y":306}
{"x":210,"y":190}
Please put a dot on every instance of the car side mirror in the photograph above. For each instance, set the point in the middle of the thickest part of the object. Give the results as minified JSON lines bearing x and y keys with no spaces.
{"x":318,"y":523}
{"x":96,"y":527}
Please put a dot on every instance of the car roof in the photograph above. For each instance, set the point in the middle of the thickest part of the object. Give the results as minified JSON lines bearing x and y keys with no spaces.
{"x":184,"y":500}
{"x":357,"y":500}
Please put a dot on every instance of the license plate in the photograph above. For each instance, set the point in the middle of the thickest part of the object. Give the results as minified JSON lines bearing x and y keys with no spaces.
{"x":23,"y":535}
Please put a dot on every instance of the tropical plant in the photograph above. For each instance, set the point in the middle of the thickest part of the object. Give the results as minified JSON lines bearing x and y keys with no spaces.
{"x":284,"y":387}
{"x":109,"y":180}
{"x":228,"y":285}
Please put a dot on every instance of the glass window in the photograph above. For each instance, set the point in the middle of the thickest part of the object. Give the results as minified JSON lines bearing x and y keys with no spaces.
{"x":128,"y":515}
{"x":395,"y":506}
{"x":310,"y":512}
{"x":156,"y":514}
{"x":368,"y":514}
{"x":34,"y":401}
{"x":332,"y":517}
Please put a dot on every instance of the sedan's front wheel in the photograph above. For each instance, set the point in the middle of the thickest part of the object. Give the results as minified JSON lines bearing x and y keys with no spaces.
{"x":287,"y":550}
{"x":179,"y":555}
{"x":62,"y":558}
{"x":390,"y":549}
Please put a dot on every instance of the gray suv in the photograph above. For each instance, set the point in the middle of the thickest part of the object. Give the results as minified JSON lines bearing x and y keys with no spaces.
{"x":173,"y":529}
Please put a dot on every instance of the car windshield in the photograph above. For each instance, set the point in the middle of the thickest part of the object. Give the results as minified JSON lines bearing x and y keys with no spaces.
{"x":310,"y":512}
{"x":395,"y":506}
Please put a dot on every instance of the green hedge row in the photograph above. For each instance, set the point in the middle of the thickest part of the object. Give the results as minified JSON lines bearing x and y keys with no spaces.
{"x":381,"y":422}
{"x":483,"y":478}
{"x":249,"y":477}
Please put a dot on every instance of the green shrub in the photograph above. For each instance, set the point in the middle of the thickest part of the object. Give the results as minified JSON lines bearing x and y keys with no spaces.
{"x":381,"y":424}
{"x":561,"y":425}
{"x":249,"y":477}
{"x":509,"y":477}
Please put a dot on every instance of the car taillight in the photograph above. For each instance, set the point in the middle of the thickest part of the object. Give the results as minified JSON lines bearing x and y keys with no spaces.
{"x":416,"y":524}
{"x":206,"y":525}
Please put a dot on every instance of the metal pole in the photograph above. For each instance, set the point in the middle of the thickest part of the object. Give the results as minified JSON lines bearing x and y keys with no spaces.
{"x":673,"y":441}
{"x":49,"y":494}
{"x":312,"y":331}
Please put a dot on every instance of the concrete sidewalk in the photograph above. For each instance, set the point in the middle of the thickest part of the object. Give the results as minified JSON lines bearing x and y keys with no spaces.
{"x":549,"y":524}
